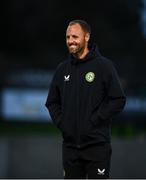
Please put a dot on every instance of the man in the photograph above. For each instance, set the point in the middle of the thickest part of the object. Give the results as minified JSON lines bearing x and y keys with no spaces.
{"x":84,"y":96}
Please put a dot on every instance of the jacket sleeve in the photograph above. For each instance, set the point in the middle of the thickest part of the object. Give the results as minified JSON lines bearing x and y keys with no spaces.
{"x":114,"y":99}
{"x":53,"y":102}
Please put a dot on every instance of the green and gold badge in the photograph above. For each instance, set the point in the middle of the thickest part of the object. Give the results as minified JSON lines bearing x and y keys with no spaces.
{"x":90,"y":76}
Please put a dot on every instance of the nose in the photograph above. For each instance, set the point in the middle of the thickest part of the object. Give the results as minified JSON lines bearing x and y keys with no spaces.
{"x":70,"y":40}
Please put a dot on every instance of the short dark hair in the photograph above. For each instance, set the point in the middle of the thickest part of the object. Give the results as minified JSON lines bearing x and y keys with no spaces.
{"x":84,"y":25}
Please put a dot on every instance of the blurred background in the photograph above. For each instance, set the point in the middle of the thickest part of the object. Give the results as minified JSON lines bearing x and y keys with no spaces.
{"x":32,"y":44}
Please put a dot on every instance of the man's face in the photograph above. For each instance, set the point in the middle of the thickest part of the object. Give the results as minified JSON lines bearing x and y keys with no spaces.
{"x":76,"y":39}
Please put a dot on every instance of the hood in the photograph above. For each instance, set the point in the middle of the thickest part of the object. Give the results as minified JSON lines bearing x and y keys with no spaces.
{"x":93,"y":53}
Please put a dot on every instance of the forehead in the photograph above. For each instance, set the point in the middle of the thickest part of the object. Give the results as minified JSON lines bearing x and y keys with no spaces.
{"x":74,"y":29}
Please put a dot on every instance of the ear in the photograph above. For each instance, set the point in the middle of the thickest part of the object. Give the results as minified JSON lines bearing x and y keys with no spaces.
{"x":87,"y":37}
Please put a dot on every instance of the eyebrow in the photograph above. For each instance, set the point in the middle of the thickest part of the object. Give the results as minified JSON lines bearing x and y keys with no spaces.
{"x":74,"y":36}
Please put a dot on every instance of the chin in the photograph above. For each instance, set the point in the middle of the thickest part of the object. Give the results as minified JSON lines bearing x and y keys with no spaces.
{"x":72,"y":52}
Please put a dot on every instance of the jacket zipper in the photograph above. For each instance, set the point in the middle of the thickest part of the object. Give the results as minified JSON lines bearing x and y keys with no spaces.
{"x":78,"y":118}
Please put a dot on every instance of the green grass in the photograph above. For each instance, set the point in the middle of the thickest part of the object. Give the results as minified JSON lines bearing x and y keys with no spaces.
{"x":14,"y":128}
{"x":23,"y":128}
{"x":128,"y":131}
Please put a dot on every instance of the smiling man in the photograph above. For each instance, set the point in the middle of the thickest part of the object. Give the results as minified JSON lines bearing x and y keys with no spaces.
{"x":84,"y":96}
{"x":77,"y":40}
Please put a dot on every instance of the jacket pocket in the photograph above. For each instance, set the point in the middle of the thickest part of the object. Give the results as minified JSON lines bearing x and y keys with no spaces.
{"x":97,"y":120}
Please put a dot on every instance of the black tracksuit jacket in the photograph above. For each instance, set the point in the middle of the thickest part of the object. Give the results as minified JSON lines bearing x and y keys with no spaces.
{"x":83,"y":109}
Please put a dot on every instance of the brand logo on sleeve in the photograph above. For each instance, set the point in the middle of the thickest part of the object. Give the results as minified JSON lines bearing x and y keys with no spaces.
{"x":66,"y":78}
{"x":90,"y":76}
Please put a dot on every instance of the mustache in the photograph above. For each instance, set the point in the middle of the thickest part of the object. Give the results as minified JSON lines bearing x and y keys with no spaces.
{"x":70,"y":44}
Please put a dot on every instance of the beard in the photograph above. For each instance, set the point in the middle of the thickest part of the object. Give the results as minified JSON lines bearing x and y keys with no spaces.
{"x":76,"y":48}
